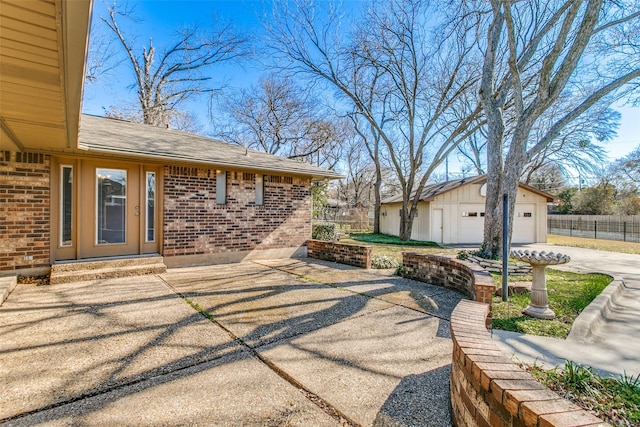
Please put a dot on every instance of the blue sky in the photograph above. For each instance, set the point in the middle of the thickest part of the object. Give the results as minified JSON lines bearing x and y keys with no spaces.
{"x":160,"y":19}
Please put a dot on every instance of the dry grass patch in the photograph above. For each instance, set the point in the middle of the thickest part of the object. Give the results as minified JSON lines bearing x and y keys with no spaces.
{"x":603,"y":245}
{"x":394,"y":251}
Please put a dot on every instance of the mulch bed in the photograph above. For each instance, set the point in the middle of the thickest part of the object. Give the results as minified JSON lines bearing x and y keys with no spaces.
{"x":33,"y":280}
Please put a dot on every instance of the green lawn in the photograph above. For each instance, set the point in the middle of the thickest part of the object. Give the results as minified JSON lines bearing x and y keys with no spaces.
{"x":569,"y":293}
{"x":616,"y":400}
{"x":385,"y":239}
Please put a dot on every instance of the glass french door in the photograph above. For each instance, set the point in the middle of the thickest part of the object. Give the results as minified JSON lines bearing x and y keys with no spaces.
{"x":117,"y":210}
{"x":111,"y":206}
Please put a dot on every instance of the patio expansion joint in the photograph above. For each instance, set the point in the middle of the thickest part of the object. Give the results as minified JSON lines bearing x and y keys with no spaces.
{"x":325,"y":406}
{"x":100,"y":391}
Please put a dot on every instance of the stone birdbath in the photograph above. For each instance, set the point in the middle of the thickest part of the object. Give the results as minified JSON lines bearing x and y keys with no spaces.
{"x":539,"y":306}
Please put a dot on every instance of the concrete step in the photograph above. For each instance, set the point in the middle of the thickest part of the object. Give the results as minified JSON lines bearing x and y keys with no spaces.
{"x":96,"y":263}
{"x":95,"y":269}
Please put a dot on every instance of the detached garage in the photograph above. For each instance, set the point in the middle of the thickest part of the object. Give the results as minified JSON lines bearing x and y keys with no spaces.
{"x":453,"y":212}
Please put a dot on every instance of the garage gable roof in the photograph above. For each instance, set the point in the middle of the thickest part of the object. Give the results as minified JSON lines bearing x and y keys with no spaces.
{"x":430,"y":192}
{"x":117,"y":137}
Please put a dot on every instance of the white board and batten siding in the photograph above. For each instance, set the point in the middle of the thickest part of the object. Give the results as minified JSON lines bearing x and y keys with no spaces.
{"x":390,"y":221}
{"x":457,"y":217}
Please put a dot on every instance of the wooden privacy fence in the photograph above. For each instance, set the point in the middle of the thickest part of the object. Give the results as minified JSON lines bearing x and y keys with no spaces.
{"x":607,"y":227}
{"x":346,"y":219}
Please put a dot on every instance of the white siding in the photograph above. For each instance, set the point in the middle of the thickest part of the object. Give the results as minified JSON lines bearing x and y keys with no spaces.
{"x":524,"y":223}
{"x":390,"y":219}
{"x":421,"y":229}
{"x":457,"y":228}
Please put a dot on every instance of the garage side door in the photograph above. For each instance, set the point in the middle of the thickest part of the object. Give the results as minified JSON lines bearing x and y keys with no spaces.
{"x":470,"y":223}
{"x":524,"y":224}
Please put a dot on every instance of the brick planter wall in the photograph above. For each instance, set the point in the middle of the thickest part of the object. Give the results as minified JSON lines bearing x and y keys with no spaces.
{"x":467,"y":278}
{"x":344,"y":253}
{"x":24,"y":210}
{"x":194,"y":224}
{"x":487,"y":389}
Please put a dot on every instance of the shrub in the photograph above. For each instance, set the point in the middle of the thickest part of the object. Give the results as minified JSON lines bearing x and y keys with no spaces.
{"x":325,"y":231}
{"x":383,"y":261}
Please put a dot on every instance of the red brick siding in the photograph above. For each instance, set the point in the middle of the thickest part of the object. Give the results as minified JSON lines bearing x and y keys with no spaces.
{"x":24,"y":210}
{"x":465,"y":277}
{"x":359,"y":256}
{"x":488,"y":389}
{"x":195,"y":224}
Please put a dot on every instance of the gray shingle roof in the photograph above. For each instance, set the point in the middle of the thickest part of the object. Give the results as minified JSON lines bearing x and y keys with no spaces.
{"x":118,"y":137}
{"x":431,"y":191}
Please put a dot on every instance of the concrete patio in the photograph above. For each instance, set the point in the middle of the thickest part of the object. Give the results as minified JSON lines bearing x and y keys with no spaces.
{"x":286,"y":342}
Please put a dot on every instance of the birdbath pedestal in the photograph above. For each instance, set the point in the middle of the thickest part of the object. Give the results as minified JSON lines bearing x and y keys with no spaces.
{"x":539,"y":306}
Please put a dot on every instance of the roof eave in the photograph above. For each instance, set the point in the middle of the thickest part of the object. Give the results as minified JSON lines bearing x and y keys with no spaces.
{"x":315,"y":175}
{"x":76,"y":18}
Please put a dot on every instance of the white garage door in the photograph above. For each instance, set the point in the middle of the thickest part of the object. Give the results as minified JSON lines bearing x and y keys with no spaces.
{"x":470,"y":223}
{"x":524,"y":224}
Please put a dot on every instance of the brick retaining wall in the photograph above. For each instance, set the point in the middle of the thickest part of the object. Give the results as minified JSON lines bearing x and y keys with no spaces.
{"x":487,"y":389}
{"x":467,"y":278}
{"x":24,"y":210}
{"x":344,"y":253}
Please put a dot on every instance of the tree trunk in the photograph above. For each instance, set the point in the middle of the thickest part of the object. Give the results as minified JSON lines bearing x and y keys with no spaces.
{"x":508,"y":181}
{"x":406,"y":221}
{"x":492,"y":239}
{"x":376,"y":209}
{"x":492,"y":242}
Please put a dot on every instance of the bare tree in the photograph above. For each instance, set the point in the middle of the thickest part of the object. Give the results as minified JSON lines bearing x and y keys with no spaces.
{"x":533,"y":53}
{"x":395,"y":73}
{"x":576,"y":148}
{"x":548,"y":177}
{"x":371,"y":141}
{"x":628,"y":168}
{"x":361,"y":175}
{"x":102,"y":56}
{"x":473,"y":149}
{"x":165,"y":80}
{"x":279,"y":117}
{"x":175,"y":119}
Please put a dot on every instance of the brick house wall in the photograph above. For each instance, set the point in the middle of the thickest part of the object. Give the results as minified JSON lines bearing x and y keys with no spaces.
{"x":24,"y":210}
{"x":194,"y":224}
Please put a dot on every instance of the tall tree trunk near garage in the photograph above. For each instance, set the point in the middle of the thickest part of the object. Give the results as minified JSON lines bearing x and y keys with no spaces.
{"x":376,"y":192}
{"x":508,"y":177}
{"x":492,"y":241}
{"x":406,"y":222}
{"x":493,"y":107}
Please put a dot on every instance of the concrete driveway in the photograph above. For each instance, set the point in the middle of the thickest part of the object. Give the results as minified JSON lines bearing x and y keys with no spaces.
{"x":286,"y":342}
{"x":612,"y":344}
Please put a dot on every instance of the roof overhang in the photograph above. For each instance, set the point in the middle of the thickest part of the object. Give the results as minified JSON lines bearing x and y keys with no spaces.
{"x":118,"y":139}
{"x":43,"y":48}
{"x":164,"y":159}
